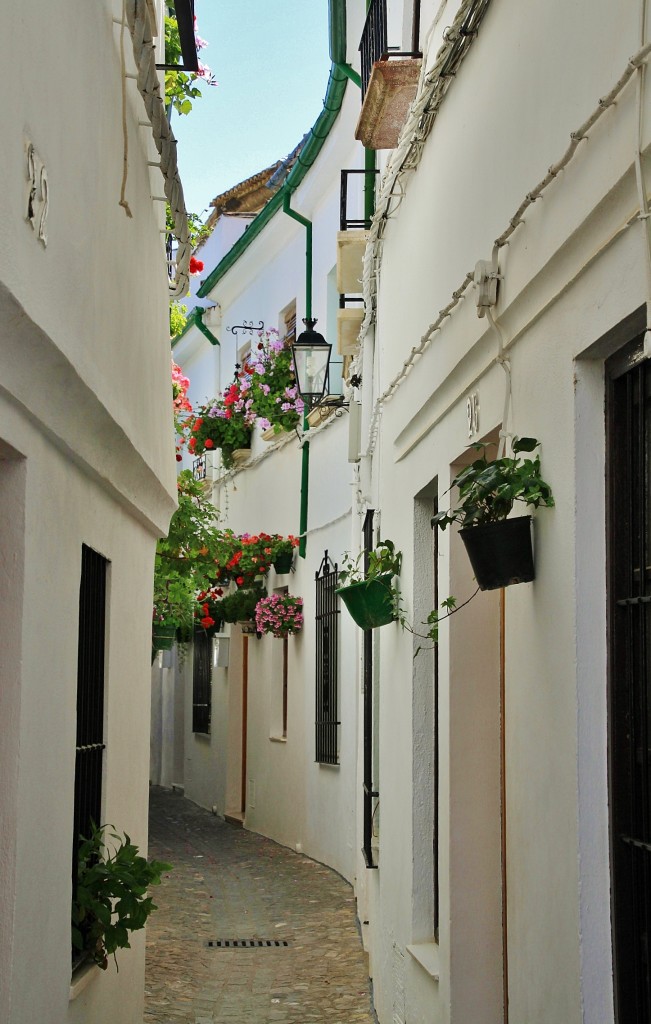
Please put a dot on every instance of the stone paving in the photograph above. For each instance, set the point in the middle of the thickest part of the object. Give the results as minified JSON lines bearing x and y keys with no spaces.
{"x":229,"y":884}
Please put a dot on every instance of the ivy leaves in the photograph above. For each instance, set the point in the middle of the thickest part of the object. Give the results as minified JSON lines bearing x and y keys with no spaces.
{"x":488,"y":488}
{"x":110,"y":898}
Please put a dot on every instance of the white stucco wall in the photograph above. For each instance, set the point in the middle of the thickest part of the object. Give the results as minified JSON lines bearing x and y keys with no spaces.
{"x":87,"y":457}
{"x":570,"y":274}
{"x":289,"y":797}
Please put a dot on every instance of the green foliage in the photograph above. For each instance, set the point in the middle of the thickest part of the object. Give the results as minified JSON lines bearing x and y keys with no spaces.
{"x":185,"y":559}
{"x":110,"y":898}
{"x":489,"y":487}
{"x":272,"y":384}
{"x":180,"y":87}
{"x":383,"y":560}
{"x":178,"y":318}
{"x":199,"y":231}
{"x":220,"y":425}
{"x":240,"y":606}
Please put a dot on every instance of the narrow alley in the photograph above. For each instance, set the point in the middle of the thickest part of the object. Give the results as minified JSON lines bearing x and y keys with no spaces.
{"x":232,"y":885}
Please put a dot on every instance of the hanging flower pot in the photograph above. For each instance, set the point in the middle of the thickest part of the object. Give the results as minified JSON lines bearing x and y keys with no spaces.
{"x":370,"y":602}
{"x":281,"y":615}
{"x":163,"y":637}
{"x":283,"y":563}
{"x":501,"y":553}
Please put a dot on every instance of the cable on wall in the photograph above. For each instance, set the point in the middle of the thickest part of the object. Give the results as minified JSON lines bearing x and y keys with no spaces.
{"x":638,"y":60}
{"x":149,"y":88}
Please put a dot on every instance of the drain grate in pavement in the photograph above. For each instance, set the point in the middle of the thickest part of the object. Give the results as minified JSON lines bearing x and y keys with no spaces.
{"x":244,"y":943}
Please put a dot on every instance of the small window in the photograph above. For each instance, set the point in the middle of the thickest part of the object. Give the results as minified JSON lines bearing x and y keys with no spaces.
{"x":89,"y":749}
{"x":327,"y":652}
{"x":90,"y":693}
{"x":201,"y":682}
{"x":287,"y":326}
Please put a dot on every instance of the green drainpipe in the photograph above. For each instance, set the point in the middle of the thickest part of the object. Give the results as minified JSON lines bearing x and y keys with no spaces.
{"x":205,"y":330}
{"x":195,"y":319}
{"x":307,"y":224}
{"x":305,"y":464}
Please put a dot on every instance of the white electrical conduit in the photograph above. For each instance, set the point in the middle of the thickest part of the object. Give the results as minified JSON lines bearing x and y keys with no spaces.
{"x":372,"y":256}
{"x":149,"y":87}
{"x":506,"y":366}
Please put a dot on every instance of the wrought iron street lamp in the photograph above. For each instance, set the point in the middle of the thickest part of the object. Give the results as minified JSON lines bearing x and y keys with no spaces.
{"x":311,"y":353}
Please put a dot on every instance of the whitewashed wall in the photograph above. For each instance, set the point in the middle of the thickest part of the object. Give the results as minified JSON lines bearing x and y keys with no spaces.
{"x":87,"y":457}
{"x":570,"y":274}
{"x":289,"y":797}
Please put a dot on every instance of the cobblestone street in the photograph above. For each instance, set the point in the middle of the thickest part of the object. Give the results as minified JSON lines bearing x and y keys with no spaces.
{"x":229,"y":884}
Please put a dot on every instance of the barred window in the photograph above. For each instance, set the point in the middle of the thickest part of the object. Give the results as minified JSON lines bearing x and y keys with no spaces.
{"x":327,"y":650}
{"x":201,"y":682}
{"x":90,"y":693}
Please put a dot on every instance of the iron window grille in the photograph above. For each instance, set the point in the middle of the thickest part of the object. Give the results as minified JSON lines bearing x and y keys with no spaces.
{"x":374,"y":43}
{"x":90,"y":693}
{"x":201,"y":682}
{"x":327,"y":658}
{"x":629,"y":587}
{"x":90,"y":745}
{"x":346,"y":222}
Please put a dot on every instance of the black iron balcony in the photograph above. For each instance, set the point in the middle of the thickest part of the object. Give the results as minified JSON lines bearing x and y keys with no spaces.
{"x":374,"y":42}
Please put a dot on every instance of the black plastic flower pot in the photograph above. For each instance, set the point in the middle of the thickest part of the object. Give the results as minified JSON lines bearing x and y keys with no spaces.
{"x":369,"y":602}
{"x":283,"y":563}
{"x":501,"y":554}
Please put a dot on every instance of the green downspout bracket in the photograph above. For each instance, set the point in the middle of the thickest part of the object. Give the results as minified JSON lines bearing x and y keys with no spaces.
{"x":351,"y":73}
{"x":207,"y":333}
{"x":195,"y":319}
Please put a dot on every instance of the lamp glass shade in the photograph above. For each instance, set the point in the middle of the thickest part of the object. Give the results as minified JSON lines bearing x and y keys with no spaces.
{"x":311,"y":360}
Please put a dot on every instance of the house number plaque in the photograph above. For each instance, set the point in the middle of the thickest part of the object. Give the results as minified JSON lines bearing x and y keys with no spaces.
{"x":472,"y":412}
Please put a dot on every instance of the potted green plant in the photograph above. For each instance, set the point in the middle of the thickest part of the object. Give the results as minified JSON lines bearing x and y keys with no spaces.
{"x":110,"y":895}
{"x":240,"y":606}
{"x":370,"y":597}
{"x":185,"y":563}
{"x":224,"y":423}
{"x":499,"y":548}
{"x":283,"y":552}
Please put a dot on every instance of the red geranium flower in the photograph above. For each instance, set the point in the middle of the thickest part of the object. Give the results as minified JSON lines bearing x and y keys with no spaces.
{"x":239,"y":580}
{"x":196,"y":266}
{"x":208,"y":443}
{"x":207,"y":622}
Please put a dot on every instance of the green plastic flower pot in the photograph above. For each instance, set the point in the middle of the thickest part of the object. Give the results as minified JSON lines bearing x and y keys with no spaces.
{"x":163,"y":637}
{"x":369,"y":602}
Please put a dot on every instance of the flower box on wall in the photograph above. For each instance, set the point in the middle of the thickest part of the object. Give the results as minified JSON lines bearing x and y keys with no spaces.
{"x":241,"y":455}
{"x":390,"y":92}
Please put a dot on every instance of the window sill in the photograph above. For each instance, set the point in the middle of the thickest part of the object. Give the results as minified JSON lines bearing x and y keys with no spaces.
{"x":81,"y":979}
{"x":278,"y":739}
{"x":427,"y":955}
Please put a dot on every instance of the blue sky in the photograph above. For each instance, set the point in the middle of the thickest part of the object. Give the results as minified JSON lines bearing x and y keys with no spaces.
{"x":272,"y":65}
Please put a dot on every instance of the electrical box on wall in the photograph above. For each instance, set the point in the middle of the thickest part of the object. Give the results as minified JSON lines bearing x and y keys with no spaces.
{"x":354,"y":431}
